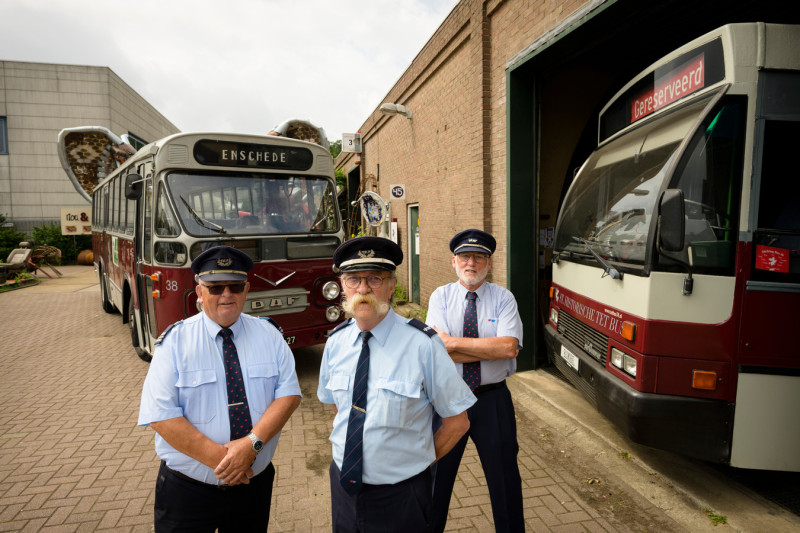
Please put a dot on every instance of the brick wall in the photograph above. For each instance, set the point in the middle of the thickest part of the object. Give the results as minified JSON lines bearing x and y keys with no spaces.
{"x":451,"y":154}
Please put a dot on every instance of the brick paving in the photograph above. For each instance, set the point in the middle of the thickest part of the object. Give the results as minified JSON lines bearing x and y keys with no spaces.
{"x":72,"y":458}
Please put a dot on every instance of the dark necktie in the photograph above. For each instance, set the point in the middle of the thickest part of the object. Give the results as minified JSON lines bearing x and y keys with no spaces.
{"x":352,"y":464}
{"x":471,"y":371}
{"x":238,"y":410}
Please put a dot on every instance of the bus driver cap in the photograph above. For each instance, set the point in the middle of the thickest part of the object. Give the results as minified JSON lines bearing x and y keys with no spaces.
{"x":367,"y":253}
{"x":473,"y":240}
{"x":222,"y":263}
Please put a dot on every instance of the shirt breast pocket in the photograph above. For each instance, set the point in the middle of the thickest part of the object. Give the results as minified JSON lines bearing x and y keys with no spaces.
{"x":396,"y":401}
{"x":197,"y":394}
{"x":261,"y":380}
{"x":339,"y":385}
{"x":489,"y":328}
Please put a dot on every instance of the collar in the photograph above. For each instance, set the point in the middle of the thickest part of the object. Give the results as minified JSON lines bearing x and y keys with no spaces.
{"x":480,"y":291}
{"x":380,"y":332}
{"x":213,"y":329}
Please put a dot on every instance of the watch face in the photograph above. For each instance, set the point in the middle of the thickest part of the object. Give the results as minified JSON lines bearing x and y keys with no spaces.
{"x":257,"y":445}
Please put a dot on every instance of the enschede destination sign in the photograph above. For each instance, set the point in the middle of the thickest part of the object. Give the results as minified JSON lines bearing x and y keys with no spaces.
{"x":229,"y":154}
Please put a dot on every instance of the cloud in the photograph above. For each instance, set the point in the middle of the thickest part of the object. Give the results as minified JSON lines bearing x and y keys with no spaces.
{"x":241,"y":65}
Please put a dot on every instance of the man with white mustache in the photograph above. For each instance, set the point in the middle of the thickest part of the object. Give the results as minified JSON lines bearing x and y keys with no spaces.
{"x":481,"y":328}
{"x":385,"y":376}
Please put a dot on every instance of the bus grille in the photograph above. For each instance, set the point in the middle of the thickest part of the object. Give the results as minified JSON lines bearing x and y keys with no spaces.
{"x":590,"y":341}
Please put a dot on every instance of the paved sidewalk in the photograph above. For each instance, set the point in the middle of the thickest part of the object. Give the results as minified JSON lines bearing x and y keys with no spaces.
{"x":72,"y":458}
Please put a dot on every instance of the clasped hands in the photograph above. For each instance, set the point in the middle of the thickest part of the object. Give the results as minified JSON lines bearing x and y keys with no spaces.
{"x":235,"y":468}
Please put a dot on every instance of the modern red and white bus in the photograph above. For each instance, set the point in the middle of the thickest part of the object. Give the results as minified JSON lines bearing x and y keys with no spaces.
{"x":271,"y":196}
{"x":675,"y":298}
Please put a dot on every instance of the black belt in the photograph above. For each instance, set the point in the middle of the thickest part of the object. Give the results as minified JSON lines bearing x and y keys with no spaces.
{"x":489,"y":386}
{"x":196,"y":482}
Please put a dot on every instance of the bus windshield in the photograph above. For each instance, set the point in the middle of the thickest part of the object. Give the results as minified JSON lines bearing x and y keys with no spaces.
{"x":253,"y":204}
{"x":610,"y":205}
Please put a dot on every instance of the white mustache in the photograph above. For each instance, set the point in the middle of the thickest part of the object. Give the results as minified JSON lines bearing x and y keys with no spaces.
{"x":380,"y":308}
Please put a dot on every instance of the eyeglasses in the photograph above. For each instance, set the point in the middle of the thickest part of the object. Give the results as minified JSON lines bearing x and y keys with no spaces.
{"x":354,"y":282}
{"x":478,"y":258}
{"x":216,"y":290}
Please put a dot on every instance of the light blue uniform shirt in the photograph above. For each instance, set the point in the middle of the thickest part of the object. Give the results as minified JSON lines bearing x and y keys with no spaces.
{"x":187,"y":378}
{"x":497,"y":317}
{"x":410,"y":376}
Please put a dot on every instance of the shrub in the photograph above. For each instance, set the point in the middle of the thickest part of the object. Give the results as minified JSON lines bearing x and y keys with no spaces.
{"x":9,"y":239}
{"x":70,"y":245}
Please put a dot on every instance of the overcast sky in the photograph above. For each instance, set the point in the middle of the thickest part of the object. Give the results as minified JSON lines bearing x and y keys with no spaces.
{"x":234,"y":65}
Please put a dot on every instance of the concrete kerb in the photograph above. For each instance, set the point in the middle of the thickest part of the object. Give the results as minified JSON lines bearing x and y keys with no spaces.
{"x":682,"y":488}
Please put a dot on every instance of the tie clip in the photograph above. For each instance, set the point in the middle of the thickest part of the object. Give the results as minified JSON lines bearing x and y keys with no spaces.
{"x":359,"y":409}
{"x":235,"y":404}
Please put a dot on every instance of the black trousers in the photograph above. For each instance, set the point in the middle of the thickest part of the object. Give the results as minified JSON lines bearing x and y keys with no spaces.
{"x":493,"y":429}
{"x":400,"y":508}
{"x":191,"y":506}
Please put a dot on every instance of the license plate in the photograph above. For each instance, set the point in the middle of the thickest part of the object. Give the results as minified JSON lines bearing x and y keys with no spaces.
{"x":570,"y":358}
{"x":290,"y":340}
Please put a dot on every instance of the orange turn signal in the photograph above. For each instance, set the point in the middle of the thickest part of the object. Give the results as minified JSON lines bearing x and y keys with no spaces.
{"x":552,"y":292}
{"x":628,"y":331}
{"x":704,"y":380}
{"x":156,"y":284}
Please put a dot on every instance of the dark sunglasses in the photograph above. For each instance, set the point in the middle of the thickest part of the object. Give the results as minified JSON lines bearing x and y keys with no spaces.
{"x":216,"y":290}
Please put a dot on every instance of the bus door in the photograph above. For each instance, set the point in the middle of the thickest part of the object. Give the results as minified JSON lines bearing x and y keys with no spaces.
{"x":768,"y":391}
{"x":144,"y":260}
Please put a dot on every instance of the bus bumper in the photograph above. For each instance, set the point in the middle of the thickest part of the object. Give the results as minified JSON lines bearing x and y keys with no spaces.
{"x":693,"y":427}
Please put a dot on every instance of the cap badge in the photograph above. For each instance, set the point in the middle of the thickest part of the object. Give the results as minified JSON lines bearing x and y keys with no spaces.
{"x":224,"y":262}
{"x":472,"y":240}
{"x":366,"y":254}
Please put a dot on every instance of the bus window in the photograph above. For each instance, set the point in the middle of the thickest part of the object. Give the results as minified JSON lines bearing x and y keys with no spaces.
{"x":253,"y":204}
{"x":130,"y":217}
{"x":118,"y":190}
{"x":710,"y":177}
{"x":166,"y":223}
{"x":612,"y":200}
{"x":147,"y":242}
{"x":777,"y":239}
{"x":114,"y":210}
{"x":106,"y":203}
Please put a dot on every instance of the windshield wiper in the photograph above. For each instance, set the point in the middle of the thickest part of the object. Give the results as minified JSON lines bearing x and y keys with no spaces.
{"x":608,"y":269}
{"x":202,"y":221}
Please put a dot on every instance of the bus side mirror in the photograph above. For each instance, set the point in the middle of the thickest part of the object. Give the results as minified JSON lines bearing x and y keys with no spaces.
{"x":133,"y":186}
{"x":671,"y":221}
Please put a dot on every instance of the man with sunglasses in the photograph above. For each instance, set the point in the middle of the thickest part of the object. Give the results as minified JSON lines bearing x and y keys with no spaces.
{"x":385,"y":375}
{"x":220,"y":388}
{"x":481,"y":328}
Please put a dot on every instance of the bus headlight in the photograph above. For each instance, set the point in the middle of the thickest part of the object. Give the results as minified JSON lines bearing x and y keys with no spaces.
{"x":331,"y":290}
{"x":333,"y":313}
{"x":623,"y":361}
{"x":554,"y":315}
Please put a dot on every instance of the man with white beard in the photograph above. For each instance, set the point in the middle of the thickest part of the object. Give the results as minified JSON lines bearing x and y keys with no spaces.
{"x":385,"y":376}
{"x":481,"y":328}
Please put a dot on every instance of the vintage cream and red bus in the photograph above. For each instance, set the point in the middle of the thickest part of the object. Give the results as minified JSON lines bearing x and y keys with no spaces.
{"x":676,"y":270}
{"x":273,"y":197}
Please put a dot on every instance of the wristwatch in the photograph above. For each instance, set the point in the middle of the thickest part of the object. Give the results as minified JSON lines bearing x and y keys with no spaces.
{"x":258,"y":445}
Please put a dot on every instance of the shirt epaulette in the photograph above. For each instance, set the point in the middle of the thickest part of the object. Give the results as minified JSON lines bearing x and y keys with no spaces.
{"x":164,"y":333}
{"x":422,"y":326}
{"x":271,"y":321}
{"x":340,"y":326}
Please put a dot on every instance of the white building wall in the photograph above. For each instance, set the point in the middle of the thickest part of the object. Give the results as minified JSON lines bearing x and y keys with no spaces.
{"x":39,"y":100}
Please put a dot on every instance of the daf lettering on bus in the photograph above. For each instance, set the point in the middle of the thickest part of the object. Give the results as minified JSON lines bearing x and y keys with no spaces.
{"x":670,"y":88}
